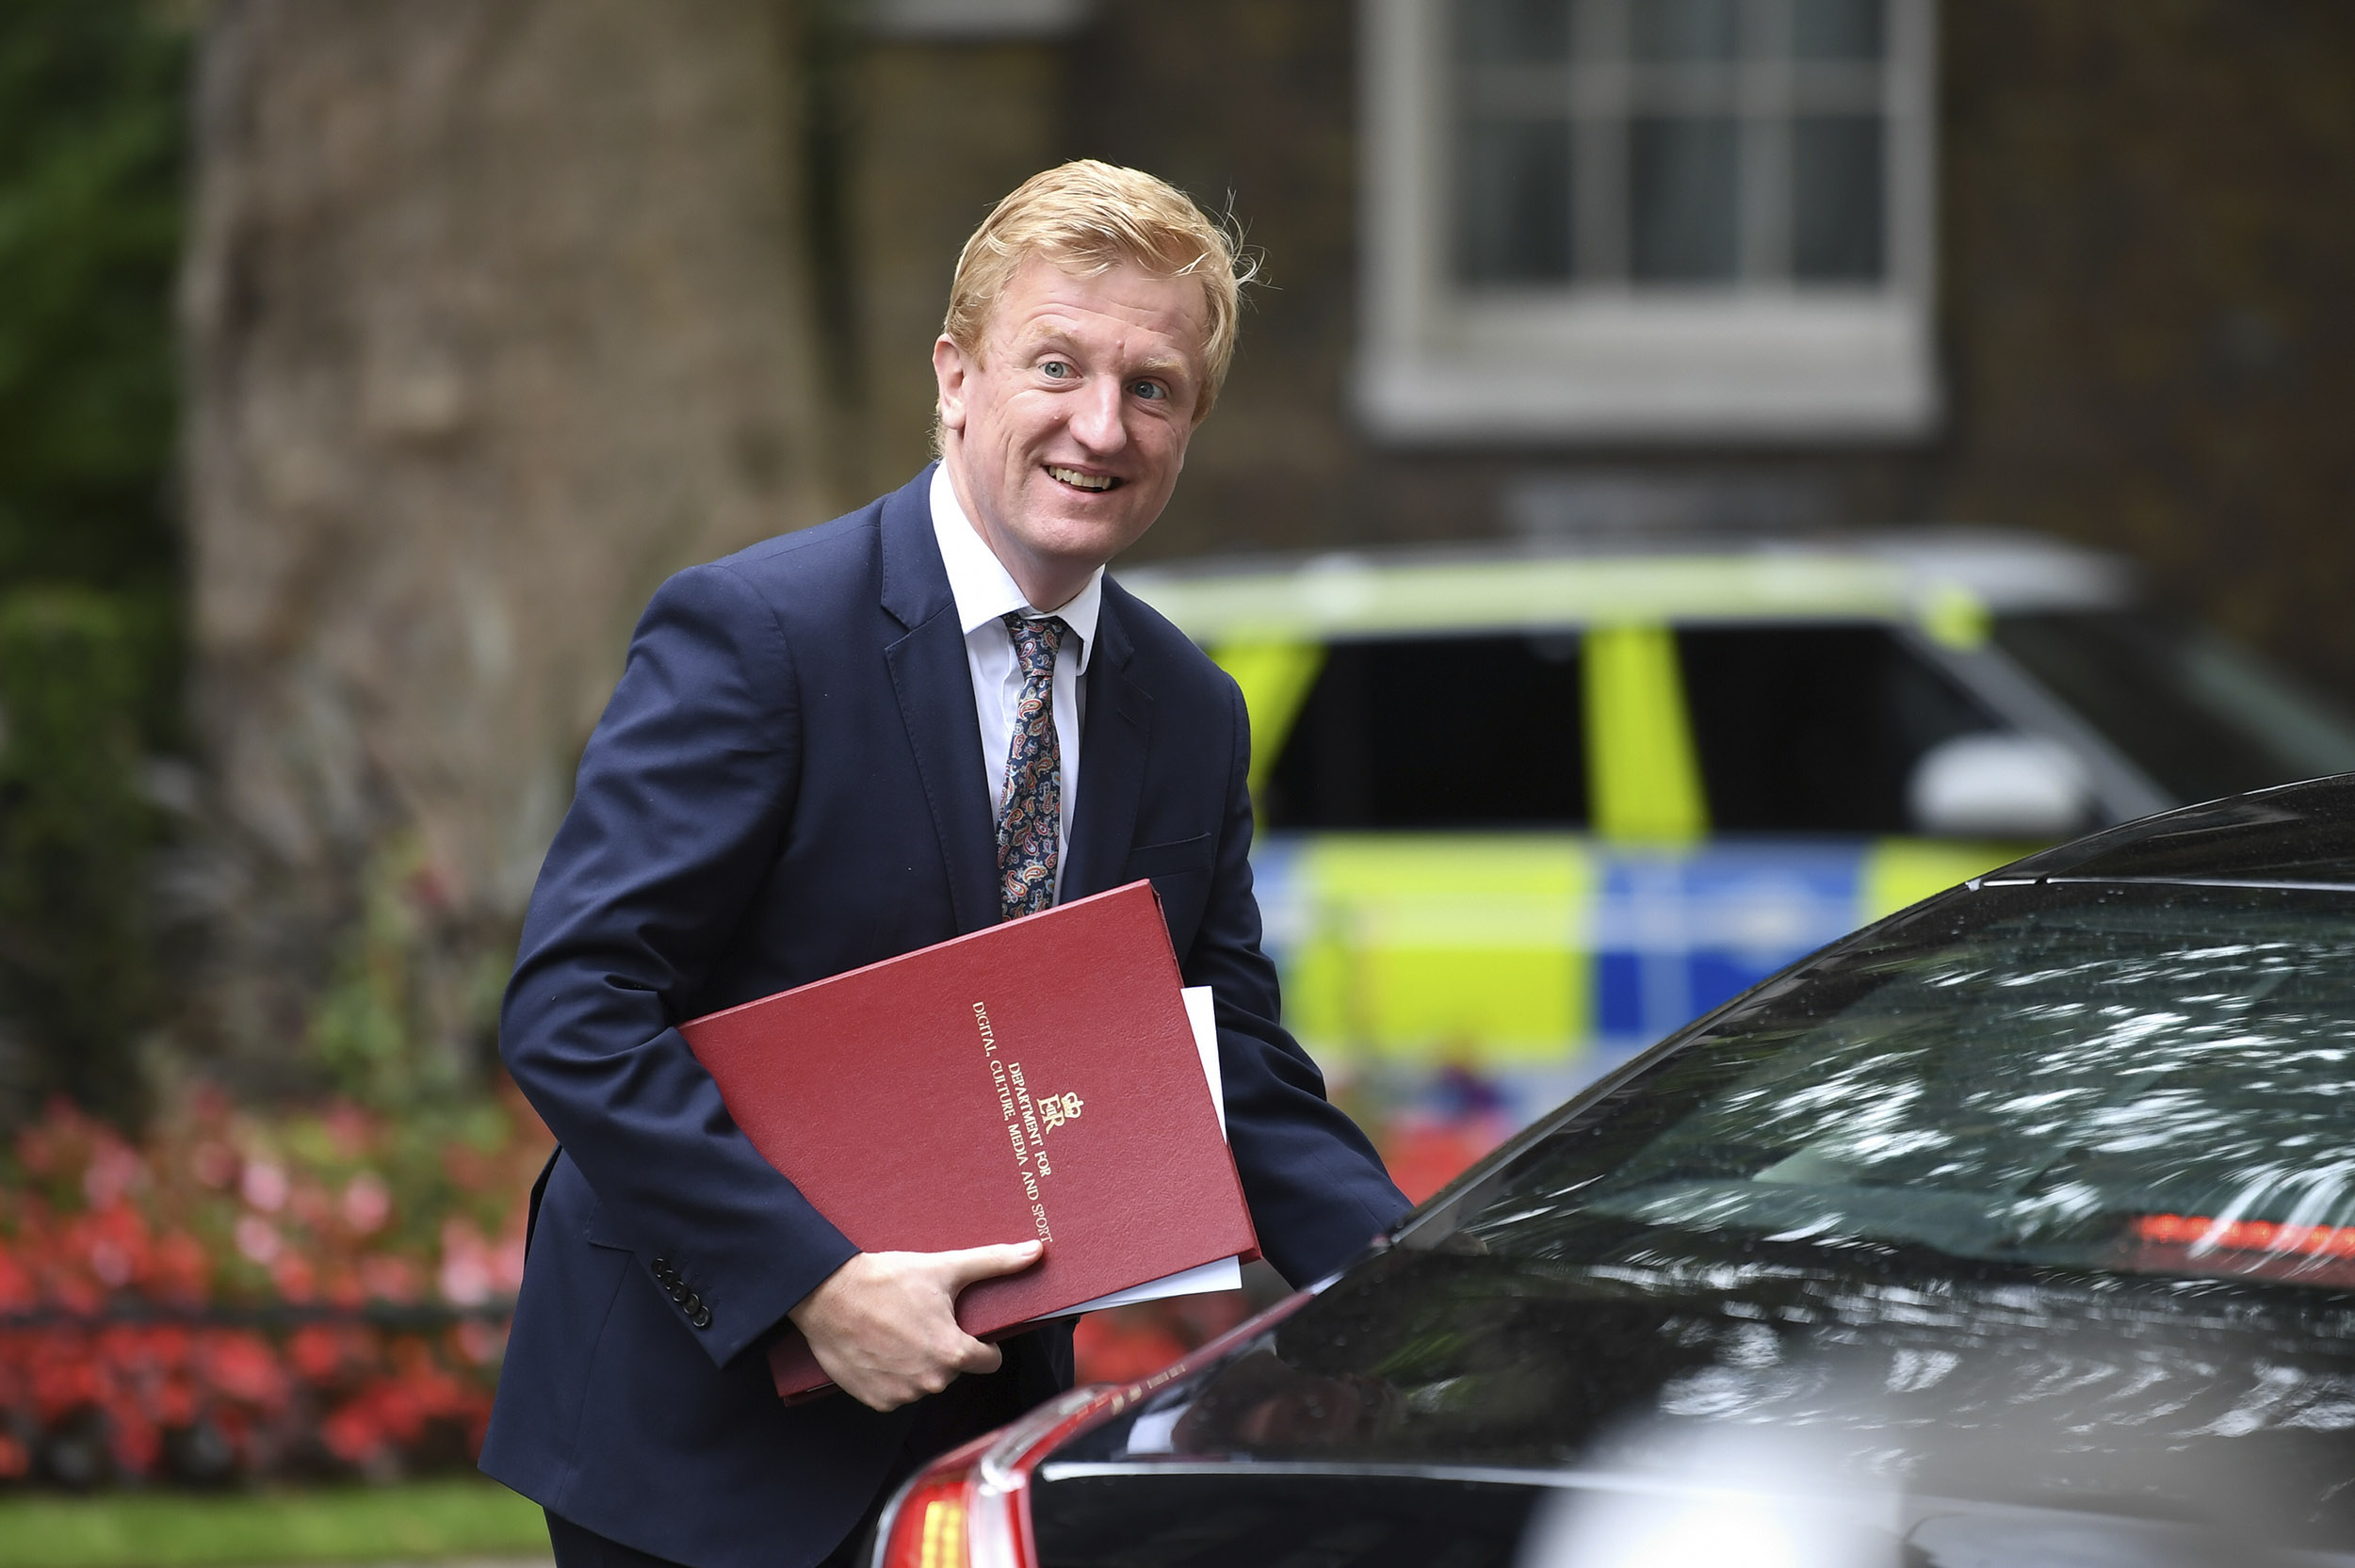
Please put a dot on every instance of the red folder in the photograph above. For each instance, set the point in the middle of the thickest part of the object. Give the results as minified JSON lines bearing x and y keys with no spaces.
{"x":1038,"y":1078}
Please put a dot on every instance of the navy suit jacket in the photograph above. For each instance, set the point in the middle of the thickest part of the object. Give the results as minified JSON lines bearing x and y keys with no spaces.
{"x":788,"y":784}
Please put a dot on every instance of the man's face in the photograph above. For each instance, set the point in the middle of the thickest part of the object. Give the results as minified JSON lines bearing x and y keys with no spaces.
{"x":1065,"y":435}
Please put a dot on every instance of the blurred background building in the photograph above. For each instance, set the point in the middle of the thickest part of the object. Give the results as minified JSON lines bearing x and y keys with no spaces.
{"x":492,"y":314}
{"x":496,"y":313}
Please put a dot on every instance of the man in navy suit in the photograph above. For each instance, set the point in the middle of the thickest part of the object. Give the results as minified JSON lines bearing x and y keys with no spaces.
{"x":835,"y":746}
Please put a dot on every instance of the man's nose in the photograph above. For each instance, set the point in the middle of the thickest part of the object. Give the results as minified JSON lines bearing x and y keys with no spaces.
{"x":1096,"y":422}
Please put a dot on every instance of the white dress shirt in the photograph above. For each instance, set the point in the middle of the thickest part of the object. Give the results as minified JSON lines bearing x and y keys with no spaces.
{"x":985,"y":594}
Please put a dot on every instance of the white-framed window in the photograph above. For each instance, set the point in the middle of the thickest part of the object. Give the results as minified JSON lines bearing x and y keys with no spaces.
{"x":974,"y":21}
{"x":1639,"y":221}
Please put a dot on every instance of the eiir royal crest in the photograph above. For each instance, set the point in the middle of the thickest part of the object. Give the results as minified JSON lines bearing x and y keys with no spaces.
{"x":1055,"y":1109}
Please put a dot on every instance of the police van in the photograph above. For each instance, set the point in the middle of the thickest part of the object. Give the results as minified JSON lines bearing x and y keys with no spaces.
{"x":1523,"y":811}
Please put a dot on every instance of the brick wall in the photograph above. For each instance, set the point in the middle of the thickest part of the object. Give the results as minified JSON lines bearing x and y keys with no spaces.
{"x":2147,"y":245}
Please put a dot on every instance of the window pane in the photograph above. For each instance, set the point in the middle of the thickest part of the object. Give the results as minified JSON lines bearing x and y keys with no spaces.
{"x":1516,"y":193}
{"x":1840,"y":30}
{"x":1481,"y":732}
{"x":1682,"y":193}
{"x":1671,"y":31}
{"x":2199,"y":716}
{"x":1837,"y":217}
{"x":1514,"y":32}
{"x":2023,"y":1089}
{"x":1814,"y":729}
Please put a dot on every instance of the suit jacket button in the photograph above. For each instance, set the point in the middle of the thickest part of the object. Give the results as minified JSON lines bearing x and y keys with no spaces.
{"x":702,"y":1316}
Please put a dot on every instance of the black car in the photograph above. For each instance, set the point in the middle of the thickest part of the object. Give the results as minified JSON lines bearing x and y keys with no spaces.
{"x":2016,"y":1229}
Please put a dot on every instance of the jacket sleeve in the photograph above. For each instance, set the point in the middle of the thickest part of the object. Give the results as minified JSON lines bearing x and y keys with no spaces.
{"x":1317,"y":1190}
{"x":683,"y":795}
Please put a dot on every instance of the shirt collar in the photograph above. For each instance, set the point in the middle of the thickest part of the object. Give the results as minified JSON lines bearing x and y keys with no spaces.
{"x":984,"y":590}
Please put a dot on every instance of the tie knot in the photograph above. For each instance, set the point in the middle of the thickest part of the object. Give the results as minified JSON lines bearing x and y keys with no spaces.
{"x":1035,"y":644}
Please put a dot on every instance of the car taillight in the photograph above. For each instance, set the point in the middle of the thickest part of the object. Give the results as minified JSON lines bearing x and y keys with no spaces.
{"x":2252,"y":1248}
{"x":2247,"y":1235}
{"x":970,"y":1508}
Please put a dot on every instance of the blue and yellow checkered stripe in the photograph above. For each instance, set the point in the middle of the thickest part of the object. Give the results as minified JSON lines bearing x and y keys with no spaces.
{"x":1538,"y":950}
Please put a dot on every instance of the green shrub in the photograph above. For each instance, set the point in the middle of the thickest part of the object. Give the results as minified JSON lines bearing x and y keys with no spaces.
{"x":408,"y":1018}
{"x":75,"y":964}
{"x":92,"y":137}
{"x":92,"y":118}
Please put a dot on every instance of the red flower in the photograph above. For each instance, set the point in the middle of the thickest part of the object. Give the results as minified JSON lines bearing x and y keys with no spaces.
{"x":135,"y":1440}
{"x":17,"y":1293}
{"x":65,"y":1375}
{"x":322,"y":1351}
{"x":183,"y":1275}
{"x":222,"y":1210}
{"x":292,"y":1274}
{"x":243,"y":1367}
{"x":1121,"y":1345}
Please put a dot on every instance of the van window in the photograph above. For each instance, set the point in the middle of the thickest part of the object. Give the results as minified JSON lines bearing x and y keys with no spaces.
{"x":1473,"y":731}
{"x":2199,"y":714}
{"x":1815,"y":729}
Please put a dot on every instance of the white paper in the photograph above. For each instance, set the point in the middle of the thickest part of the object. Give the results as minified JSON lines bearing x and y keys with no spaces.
{"x":1225,"y":1274}
{"x":1203,"y":1017}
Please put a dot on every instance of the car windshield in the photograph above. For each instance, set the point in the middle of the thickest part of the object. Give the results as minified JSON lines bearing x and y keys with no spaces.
{"x":2155,"y":1083}
{"x":2036,"y":1191}
{"x":2203,"y":718}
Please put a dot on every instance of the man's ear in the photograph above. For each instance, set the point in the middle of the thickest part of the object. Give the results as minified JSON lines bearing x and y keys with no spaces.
{"x":950,"y":370}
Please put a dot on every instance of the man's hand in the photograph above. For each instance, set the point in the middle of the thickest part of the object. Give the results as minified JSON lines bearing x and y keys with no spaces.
{"x":883,"y":1325}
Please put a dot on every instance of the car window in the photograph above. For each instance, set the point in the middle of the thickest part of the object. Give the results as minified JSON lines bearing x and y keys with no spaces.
{"x":2035,"y":1194}
{"x":2153,"y":1084}
{"x":1437,"y":733}
{"x":1814,"y":729}
{"x":2201,"y":716}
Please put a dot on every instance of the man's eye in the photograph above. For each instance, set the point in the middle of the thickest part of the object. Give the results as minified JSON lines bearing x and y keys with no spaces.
{"x":1054,"y":370}
{"x":1150,"y":390}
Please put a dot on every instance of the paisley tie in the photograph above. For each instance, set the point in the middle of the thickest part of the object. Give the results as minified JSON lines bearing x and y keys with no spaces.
{"x":1031,"y":812}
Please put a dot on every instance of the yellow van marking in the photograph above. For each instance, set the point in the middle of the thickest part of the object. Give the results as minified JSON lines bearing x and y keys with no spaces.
{"x":1643,"y":782}
{"x":1956,"y":616}
{"x":1445,"y":950}
{"x":1485,"y":950}
{"x":1276,"y":678}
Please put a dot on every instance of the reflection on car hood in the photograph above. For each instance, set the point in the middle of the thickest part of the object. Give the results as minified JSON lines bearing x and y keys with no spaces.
{"x":2170,"y":1399}
{"x":2296,"y":834}
{"x":1185,"y":1514}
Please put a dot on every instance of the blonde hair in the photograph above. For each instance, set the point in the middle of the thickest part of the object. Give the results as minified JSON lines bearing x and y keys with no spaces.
{"x":1087,"y":218}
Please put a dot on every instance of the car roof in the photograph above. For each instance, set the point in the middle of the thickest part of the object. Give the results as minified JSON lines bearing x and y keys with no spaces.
{"x":2291,"y":837}
{"x":1925,"y":574}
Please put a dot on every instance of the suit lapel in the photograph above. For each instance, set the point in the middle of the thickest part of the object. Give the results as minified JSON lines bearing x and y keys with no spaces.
{"x":935,"y":690}
{"x":1114,"y":741}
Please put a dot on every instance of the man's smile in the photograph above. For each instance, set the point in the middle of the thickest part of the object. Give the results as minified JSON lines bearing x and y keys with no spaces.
{"x":1079,"y":480}
{"x":1063,"y":440}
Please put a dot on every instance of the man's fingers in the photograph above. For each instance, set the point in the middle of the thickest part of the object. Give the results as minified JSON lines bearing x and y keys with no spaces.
{"x":983,"y":1263}
{"x":883,"y":1325}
